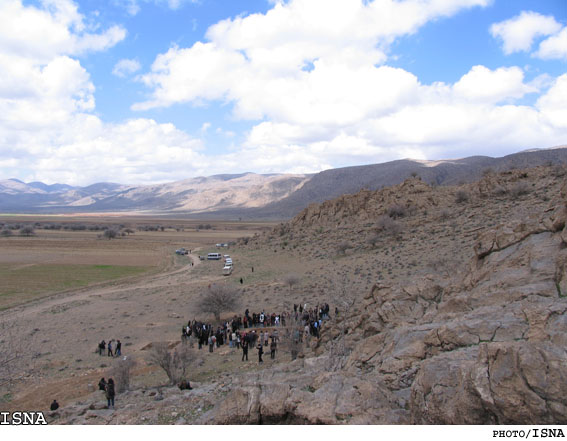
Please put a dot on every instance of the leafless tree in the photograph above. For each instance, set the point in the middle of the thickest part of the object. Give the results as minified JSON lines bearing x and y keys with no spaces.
{"x":218,"y":299}
{"x":27,"y":231}
{"x":17,"y":353}
{"x":291,"y":280}
{"x":110,"y":234}
{"x":175,"y":363}
{"x":122,"y":372}
{"x":291,"y":337}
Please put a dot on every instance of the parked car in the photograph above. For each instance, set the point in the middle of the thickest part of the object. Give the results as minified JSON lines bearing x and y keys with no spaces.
{"x":181,"y":251}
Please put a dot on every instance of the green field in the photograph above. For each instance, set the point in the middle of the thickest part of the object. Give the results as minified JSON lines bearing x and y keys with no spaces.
{"x":22,"y":283}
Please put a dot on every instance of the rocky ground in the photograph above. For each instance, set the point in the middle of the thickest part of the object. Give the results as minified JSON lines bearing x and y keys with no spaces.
{"x":452,"y":308}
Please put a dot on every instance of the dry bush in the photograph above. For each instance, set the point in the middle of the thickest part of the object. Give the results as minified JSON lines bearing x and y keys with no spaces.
{"x":122,"y":373}
{"x":291,"y":280}
{"x":343,"y":246}
{"x":462,"y":197}
{"x":175,"y":363}
{"x":520,"y":189}
{"x":290,"y":337}
{"x":27,"y":231}
{"x":218,"y":299}
{"x":559,"y":170}
{"x":373,"y":240}
{"x":17,"y":354}
{"x":397,"y":211}
{"x":387,"y":225}
{"x":444,"y":214}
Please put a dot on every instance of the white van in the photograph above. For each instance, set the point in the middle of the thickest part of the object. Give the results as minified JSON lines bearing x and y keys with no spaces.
{"x":214,"y":256}
{"x":227,"y":271}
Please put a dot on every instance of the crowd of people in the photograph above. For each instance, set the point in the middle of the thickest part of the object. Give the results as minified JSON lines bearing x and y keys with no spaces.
{"x":249,"y":330}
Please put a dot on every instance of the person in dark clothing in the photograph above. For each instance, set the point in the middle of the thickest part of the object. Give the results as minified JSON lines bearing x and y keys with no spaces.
{"x":54,"y":405}
{"x":273,"y":345}
{"x":241,"y":280}
{"x":101,"y":347}
{"x":244,"y":349}
{"x":102,"y":384}
{"x":110,"y":392}
{"x":118,"y":348}
{"x":260,"y":352}
{"x":110,"y":354}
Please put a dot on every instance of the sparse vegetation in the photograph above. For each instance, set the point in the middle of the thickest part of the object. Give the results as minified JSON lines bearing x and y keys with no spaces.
{"x":174,"y":363}
{"x":218,"y":299}
{"x":462,"y":197}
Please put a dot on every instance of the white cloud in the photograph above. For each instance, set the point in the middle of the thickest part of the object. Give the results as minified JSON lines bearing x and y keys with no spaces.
{"x":483,"y":84}
{"x":554,"y":47}
{"x":518,"y":33}
{"x":126,"y":67}
{"x":322,"y":52}
{"x":42,"y":33}
{"x":133,"y":6}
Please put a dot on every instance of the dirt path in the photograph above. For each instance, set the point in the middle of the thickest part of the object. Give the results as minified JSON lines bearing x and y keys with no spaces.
{"x":159,"y":280}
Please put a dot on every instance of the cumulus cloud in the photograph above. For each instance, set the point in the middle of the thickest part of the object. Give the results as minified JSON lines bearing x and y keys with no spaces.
{"x":322,"y":52}
{"x":47,"y":129}
{"x":518,"y":33}
{"x":126,"y":67}
{"x":554,"y":47}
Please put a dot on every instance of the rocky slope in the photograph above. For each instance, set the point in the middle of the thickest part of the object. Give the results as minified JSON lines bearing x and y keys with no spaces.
{"x":473,"y":332}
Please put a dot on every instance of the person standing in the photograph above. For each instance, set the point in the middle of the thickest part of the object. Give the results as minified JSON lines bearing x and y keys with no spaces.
{"x":260,"y":352}
{"x":102,"y":384}
{"x":110,"y":354}
{"x":101,"y":347}
{"x":54,"y":405}
{"x":273,"y":349}
{"x":118,"y":348}
{"x":110,"y":393}
{"x":244,"y":349}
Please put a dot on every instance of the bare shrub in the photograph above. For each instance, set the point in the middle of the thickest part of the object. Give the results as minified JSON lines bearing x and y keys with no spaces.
{"x":559,"y":170}
{"x":110,"y":234}
{"x":396,"y":211}
{"x":387,"y":225}
{"x":27,"y":231}
{"x":444,"y":214}
{"x":218,"y":299}
{"x":343,"y":246}
{"x":17,"y":354}
{"x":291,"y":280}
{"x":175,"y":363}
{"x":291,"y":337}
{"x":122,"y":373}
{"x":462,"y":197}
{"x":373,"y":240}
{"x":520,"y":189}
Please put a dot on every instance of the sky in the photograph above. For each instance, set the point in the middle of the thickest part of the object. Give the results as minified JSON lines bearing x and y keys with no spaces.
{"x":153,"y":91}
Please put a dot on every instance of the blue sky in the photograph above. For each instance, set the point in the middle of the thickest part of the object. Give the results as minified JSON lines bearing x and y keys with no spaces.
{"x":150,"y":91}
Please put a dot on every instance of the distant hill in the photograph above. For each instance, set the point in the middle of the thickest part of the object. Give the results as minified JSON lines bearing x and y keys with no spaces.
{"x":329,"y":184}
{"x":255,"y":196}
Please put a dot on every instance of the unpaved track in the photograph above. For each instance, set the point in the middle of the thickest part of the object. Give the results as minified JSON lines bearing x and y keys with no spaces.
{"x":159,"y":280}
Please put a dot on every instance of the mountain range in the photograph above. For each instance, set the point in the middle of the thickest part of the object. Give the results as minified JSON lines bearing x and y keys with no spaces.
{"x":251,"y":195}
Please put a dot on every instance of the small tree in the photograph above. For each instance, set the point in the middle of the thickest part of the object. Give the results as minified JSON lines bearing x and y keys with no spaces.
{"x":291,"y":280}
{"x":218,"y":299}
{"x":27,"y":231}
{"x":175,"y":363}
{"x":110,"y":234}
{"x":122,"y":372}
